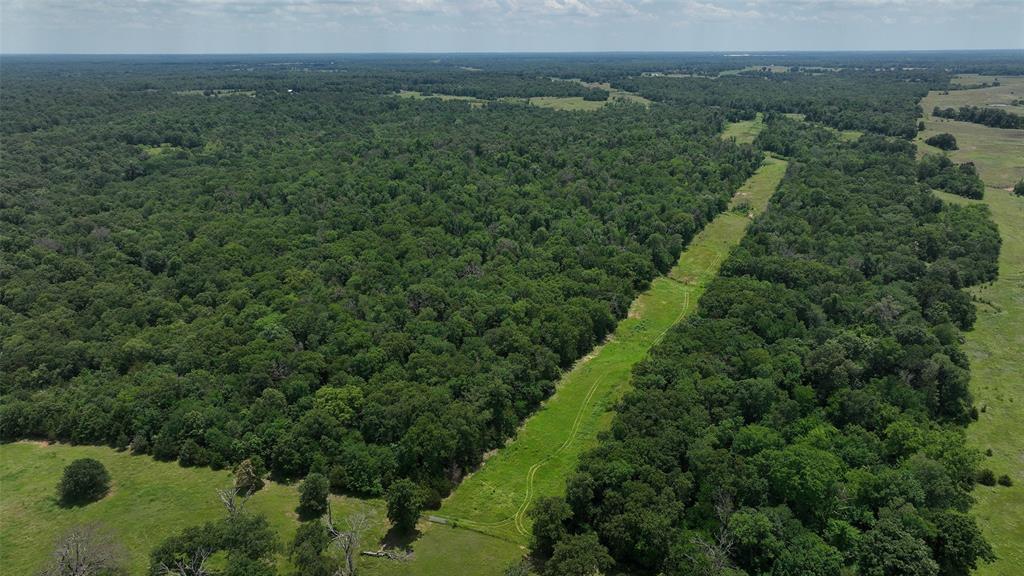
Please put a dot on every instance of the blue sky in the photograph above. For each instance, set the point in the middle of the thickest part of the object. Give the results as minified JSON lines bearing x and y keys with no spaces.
{"x":236,"y":26}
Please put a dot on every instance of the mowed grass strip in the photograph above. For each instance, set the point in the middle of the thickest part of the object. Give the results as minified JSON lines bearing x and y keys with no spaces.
{"x":994,"y":345}
{"x":148,"y":501}
{"x":744,"y":132}
{"x":494,"y":500}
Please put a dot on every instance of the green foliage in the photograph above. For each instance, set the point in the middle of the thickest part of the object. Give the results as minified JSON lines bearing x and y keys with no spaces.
{"x":578,"y":555}
{"x":245,"y":539}
{"x":84,"y":480}
{"x":382,"y":288}
{"x":307,"y":550}
{"x":985,"y":115}
{"x":549,"y":515}
{"x":405,"y":500}
{"x":818,"y":391}
{"x":313,"y":493}
{"x":939,"y":172}
{"x":943,"y":141}
{"x":986,"y":477}
{"x":1018,"y":188}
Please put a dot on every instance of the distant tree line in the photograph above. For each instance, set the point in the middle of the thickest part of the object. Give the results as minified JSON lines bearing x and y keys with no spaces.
{"x":984,"y":115}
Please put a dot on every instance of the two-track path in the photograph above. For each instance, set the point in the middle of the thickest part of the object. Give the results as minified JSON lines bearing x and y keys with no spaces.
{"x":495,"y":499}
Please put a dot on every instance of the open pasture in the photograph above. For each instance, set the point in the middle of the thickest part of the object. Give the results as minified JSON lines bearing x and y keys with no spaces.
{"x":148,"y":501}
{"x":994,"y":344}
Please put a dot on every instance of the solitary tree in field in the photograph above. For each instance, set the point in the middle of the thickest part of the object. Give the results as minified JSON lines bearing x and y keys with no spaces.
{"x":87,"y":550}
{"x":1018,"y":188}
{"x":85,"y":480}
{"x":313,"y":493}
{"x":405,"y":500}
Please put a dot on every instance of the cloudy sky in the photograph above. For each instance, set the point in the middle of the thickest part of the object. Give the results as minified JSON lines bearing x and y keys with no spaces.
{"x":236,"y":26}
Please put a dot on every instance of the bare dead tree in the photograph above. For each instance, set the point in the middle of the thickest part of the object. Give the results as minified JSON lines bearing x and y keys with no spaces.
{"x":714,"y":557}
{"x":233,"y":503}
{"x":86,"y":550}
{"x":193,"y":565}
{"x":347,"y":540}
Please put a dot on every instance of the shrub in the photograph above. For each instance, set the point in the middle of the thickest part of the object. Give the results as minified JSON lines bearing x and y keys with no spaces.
{"x":944,"y":141}
{"x":313,"y":494}
{"x":986,"y":477}
{"x":405,"y":500}
{"x":85,"y":480}
{"x":1005,"y":480}
{"x":1018,"y":188}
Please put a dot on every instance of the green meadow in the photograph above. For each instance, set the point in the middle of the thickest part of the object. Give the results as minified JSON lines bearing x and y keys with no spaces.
{"x":745,"y":131}
{"x":994,"y":345}
{"x":148,"y":501}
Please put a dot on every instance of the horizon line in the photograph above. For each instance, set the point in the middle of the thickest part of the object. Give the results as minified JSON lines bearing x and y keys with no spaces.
{"x":745,"y":52}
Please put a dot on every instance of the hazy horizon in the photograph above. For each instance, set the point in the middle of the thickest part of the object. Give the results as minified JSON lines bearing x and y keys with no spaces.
{"x":195,"y":27}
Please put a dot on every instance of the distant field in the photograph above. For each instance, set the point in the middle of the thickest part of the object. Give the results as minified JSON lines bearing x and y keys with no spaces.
{"x":148,"y":502}
{"x":998,"y":153}
{"x":475,"y":102}
{"x":613,"y":93}
{"x":1010,"y":90}
{"x":844,"y":135}
{"x":571,"y":103}
{"x":995,"y":344}
{"x":746,"y":131}
{"x":218,"y":92}
{"x":494,"y":500}
{"x":773,"y":69}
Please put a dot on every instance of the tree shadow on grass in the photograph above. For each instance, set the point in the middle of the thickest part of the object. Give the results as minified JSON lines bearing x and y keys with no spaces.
{"x":397,"y":539}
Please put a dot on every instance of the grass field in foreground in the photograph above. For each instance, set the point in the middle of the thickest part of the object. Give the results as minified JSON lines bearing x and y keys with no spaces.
{"x":148,"y":501}
{"x":994,"y":346}
{"x":494,"y":500}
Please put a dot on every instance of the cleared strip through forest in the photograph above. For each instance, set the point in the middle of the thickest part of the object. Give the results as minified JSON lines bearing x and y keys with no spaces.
{"x":494,"y":500}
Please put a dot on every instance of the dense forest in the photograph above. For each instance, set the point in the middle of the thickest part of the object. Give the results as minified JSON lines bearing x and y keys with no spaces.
{"x":328,"y":280}
{"x":224,"y":259}
{"x":809,"y":417}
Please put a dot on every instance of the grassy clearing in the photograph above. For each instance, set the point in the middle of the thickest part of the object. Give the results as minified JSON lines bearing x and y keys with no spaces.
{"x":773,"y":69}
{"x":151,"y":151}
{"x":613,"y":93}
{"x":570,"y":103}
{"x":998,"y":153}
{"x":219,"y":92}
{"x":844,"y":135}
{"x":474,"y":102}
{"x":148,"y":502}
{"x":744,"y":131}
{"x":494,"y":500}
{"x":994,"y":346}
{"x":1009,"y":91}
